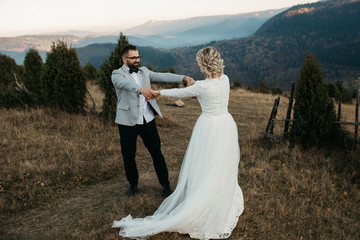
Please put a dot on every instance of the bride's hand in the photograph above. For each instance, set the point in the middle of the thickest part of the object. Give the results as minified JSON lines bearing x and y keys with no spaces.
{"x":155,"y":94}
{"x":189,"y":81}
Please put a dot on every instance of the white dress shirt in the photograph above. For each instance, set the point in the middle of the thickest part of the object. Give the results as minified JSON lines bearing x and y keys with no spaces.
{"x":144,"y":107}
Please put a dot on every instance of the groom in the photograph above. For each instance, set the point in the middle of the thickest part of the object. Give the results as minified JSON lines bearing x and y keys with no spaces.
{"x":135,"y":115}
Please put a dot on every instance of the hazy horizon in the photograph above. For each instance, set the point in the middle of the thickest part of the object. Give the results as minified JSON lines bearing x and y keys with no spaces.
{"x":116,"y":32}
{"x":21,"y":17}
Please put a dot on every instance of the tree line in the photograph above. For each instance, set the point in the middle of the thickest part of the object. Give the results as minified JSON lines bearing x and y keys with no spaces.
{"x":60,"y":83}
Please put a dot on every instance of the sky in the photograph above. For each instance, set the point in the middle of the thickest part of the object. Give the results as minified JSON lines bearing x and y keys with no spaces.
{"x":23,"y":17}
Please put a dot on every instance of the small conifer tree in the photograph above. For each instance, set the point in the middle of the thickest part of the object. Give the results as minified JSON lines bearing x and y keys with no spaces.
{"x":33,"y":69}
{"x":63,"y":81}
{"x":314,"y":112}
{"x":109,"y":65}
{"x":9,"y":96}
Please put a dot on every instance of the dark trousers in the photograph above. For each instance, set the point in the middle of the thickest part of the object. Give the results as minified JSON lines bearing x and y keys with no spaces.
{"x":150,"y":136}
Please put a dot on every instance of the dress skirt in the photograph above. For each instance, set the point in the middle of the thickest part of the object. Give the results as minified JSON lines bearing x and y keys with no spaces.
{"x":207,"y":200}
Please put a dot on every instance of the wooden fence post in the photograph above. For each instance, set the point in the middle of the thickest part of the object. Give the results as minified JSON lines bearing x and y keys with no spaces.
{"x":277,"y":101}
{"x":288,"y":113}
{"x":270,"y":118}
{"x":357,"y":111}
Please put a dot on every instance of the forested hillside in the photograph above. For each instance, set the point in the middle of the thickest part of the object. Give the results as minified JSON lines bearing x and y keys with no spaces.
{"x":274,"y":54}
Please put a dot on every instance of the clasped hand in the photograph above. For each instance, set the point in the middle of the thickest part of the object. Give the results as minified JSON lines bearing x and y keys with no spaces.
{"x":150,"y":94}
{"x":189,"y":80}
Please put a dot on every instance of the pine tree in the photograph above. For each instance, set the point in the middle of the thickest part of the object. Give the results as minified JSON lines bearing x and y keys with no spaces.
{"x":63,"y":81}
{"x":314,"y":112}
{"x":9,"y":96}
{"x":114,"y":62}
{"x":33,"y":69}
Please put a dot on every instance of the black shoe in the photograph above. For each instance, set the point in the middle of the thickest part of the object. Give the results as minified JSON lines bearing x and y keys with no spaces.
{"x":166,"y":191}
{"x":132,"y":190}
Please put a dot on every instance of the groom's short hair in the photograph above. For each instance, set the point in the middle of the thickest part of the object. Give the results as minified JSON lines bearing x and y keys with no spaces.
{"x":126,"y":49}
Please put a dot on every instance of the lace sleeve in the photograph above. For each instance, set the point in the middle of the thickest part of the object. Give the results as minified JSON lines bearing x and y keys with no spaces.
{"x":191,"y":91}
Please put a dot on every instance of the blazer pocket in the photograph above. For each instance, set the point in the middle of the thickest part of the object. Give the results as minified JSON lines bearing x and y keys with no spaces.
{"x":123,"y":107}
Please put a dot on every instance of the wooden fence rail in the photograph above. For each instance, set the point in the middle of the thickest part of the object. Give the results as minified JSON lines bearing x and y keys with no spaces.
{"x":269,"y":131}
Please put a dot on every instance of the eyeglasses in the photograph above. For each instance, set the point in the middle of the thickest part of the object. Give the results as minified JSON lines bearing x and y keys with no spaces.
{"x":133,"y":58}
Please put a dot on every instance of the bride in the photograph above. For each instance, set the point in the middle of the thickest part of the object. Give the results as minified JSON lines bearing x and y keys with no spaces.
{"x":207,"y":200}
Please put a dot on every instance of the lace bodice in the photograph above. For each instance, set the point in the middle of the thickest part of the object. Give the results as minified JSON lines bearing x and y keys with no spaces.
{"x":212,"y":94}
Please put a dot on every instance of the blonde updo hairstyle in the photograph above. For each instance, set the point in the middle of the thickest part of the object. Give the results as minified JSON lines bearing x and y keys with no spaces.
{"x":210,"y":62}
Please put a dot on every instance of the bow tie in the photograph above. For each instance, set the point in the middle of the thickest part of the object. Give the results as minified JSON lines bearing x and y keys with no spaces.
{"x":133,"y":70}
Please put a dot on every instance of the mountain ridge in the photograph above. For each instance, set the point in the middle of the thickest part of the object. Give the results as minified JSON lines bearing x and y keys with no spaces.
{"x":169,"y":27}
{"x":274,"y":53}
{"x":163,"y":34}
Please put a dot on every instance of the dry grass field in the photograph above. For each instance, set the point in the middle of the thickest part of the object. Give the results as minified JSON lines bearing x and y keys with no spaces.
{"x":62,"y":175}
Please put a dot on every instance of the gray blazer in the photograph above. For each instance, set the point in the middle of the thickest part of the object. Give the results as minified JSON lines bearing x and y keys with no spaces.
{"x":127,"y":92}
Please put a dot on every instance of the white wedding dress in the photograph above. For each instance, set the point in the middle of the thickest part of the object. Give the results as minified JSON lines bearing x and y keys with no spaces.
{"x":207,"y":200}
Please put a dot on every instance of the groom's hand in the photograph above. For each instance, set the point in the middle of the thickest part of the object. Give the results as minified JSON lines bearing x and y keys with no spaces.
{"x":147,"y":93}
{"x":189,"y":81}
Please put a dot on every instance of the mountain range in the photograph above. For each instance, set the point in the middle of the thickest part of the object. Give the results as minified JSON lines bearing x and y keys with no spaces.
{"x":274,"y":53}
{"x":157,"y":34}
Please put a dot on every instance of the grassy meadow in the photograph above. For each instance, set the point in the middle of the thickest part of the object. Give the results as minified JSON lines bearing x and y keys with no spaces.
{"x":62,"y":175}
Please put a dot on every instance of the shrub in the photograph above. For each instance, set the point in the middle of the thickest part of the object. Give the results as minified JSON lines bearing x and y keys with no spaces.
{"x":276,"y":90}
{"x":63,"y":81}
{"x":338,"y":92}
{"x":314,"y":112}
{"x":237,"y":84}
{"x":9,"y":96}
{"x":33,"y":69}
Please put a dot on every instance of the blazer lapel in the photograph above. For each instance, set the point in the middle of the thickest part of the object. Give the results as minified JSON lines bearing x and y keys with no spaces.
{"x":126,"y":72}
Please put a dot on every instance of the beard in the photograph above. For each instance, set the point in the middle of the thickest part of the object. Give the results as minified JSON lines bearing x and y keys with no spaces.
{"x":133,"y":65}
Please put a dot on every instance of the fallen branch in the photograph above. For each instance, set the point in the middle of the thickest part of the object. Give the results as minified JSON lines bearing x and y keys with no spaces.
{"x":93,"y":108}
{"x":20,"y":87}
